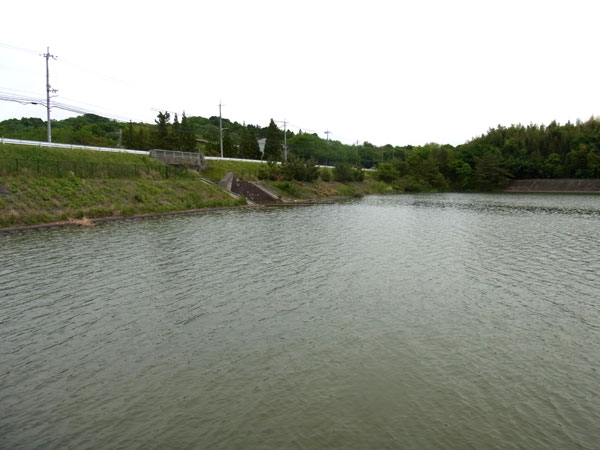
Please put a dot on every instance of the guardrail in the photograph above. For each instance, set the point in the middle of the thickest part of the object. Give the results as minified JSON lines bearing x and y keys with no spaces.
{"x":123,"y":150}
{"x":178,"y":158}
{"x":70,"y":146}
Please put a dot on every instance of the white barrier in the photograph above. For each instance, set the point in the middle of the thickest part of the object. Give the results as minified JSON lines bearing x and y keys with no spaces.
{"x":71,"y":146}
{"x":120,"y":150}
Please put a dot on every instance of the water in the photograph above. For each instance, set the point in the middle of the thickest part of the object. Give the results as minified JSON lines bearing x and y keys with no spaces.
{"x":418,"y":322}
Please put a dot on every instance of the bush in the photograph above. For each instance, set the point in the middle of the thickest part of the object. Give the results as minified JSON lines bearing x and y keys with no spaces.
{"x":288,"y":186}
{"x":270,"y":171}
{"x":417,"y":184}
{"x":387,"y":173}
{"x":326,"y":175}
{"x":344,"y":172}
{"x":299,"y":169}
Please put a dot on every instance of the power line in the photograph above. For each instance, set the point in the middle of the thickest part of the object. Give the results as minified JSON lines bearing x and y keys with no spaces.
{"x":21,"y":99}
{"x":19,"y":90}
{"x":18,"y":49}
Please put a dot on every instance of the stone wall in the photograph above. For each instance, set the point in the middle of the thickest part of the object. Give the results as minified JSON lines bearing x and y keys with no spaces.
{"x":556,"y":185}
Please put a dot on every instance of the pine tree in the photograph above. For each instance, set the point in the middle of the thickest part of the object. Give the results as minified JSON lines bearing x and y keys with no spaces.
{"x":162,"y":133}
{"x":249,"y":148}
{"x":273,"y":146}
{"x":175,"y":143}
{"x":142,"y":139}
{"x":128,"y":137}
{"x":188,"y":137}
{"x":229,"y":149}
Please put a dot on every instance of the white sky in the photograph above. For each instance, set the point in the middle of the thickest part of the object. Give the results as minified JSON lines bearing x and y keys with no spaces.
{"x":389,"y":72}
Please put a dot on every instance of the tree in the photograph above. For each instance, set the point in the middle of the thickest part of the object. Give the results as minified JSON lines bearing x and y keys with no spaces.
{"x":461,"y":173}
{"x":386,"y":173}
{"x":162,"y":132}
{"x":489,"y":174}
{"x":249,"y":148}
{"x":229,"y":149}
{"x":142,"y":139}
{"x":188,"y":137}
{"x":175,"y":138}
{"x":577,"y":161}
{"x":128,"y":136}
{"x":344,"y":172}
{"x":273,"y":146}
{"x":299,"y":169}
{"x":552,"y":166}
{"x":306,"y":145}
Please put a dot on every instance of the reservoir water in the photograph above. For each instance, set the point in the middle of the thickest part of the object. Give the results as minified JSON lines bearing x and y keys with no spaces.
{"x":415,"y":322}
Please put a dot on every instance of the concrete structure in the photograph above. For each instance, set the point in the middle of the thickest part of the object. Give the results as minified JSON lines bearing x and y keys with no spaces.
{"x":254,"y":192}
{"x":570,"y":185}
{"x":189,"y":159}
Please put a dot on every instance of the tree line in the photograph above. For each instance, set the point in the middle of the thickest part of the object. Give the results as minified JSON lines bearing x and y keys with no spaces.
{"x":487,"y":162}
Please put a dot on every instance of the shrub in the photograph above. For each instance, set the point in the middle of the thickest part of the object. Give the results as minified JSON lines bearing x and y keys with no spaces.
{"x":344,"y":172}
{"x":287,"y":186}
{"x":270,"y":171}
{"x":387,"y":173}
{"x":299,"y":169}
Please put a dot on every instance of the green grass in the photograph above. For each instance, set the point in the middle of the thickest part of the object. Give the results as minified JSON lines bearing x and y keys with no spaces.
{"x":32,"y":152}
{"x":29,"y":200}
{"x":36,"y":195}
{"x":216,"y":169}
{"x":52,"y":162}
{"x":320,"y":189}
{"x":296,"y":190}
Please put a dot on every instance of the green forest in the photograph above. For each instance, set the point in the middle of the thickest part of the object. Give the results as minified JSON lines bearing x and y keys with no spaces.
{"x":487,"y":162}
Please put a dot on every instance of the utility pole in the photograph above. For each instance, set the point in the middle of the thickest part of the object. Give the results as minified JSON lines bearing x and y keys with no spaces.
{"x":284,"y":122}
{"x":220,"y":128}
{"x":327,"y":133}
{"x":284,"y":140}
{"x":47,"y":55}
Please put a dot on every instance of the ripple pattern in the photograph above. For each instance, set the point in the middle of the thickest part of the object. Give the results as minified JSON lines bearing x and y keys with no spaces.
{"x":425,"y":322}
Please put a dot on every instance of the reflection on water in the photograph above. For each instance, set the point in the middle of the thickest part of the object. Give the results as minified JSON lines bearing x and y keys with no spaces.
{"x":426,"y":321}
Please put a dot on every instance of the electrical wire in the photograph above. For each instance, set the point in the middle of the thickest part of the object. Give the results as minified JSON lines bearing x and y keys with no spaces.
{"x":7,"y":96}
{"x":19,"y":49}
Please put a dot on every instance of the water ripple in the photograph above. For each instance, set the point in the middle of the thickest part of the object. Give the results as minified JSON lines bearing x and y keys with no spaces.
{"x":447,"y":321}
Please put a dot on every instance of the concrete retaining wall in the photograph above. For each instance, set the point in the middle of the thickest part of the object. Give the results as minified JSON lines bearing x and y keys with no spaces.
{"x":252,"y":191}
{"x":557,"y":185}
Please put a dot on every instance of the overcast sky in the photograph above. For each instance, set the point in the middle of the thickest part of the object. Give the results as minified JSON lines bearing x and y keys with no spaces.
{"x":387,"y":72}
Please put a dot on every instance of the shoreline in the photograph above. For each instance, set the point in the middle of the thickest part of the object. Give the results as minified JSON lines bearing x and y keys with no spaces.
{"x":85,"y":222}
{"x":89,"y":223}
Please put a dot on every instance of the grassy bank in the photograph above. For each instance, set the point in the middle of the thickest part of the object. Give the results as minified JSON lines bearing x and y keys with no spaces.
{"x":37,"y":193}
{"x":26,"y":200}
{"x":11,"y":151}
{"x":53,"y":185}
{"x":216,"y":169}
{"x":296,"y":190}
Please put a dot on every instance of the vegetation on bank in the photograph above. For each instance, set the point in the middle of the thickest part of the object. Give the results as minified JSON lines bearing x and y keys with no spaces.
{"x":28,"y":196}
{"x":26,"y":200}
{"x":38,"y":193}
{"x":56,"y":162}
{"x":484,"y":163}
{"x":43,"y":184}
